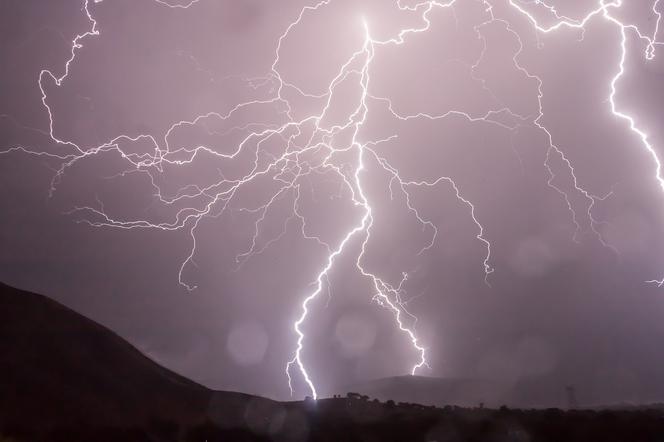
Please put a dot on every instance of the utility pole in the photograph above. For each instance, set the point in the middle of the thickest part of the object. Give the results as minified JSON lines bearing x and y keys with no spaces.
{"x":572,"y":403}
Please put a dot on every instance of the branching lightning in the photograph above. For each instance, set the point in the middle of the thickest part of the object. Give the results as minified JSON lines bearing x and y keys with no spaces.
{"x":321,"y":154}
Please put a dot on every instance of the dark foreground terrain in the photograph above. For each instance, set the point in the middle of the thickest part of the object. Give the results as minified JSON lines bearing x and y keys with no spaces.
{"x":66,"y":378}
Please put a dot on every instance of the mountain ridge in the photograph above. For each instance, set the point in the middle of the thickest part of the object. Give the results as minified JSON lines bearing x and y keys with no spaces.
{"x":60,"y":368}
{"x":466,"y":392}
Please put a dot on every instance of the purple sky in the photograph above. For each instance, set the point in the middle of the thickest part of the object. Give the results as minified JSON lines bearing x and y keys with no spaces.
{"x":104,"y":221}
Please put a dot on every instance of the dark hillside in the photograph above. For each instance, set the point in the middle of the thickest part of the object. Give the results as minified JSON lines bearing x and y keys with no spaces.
{"x":60,"y":368}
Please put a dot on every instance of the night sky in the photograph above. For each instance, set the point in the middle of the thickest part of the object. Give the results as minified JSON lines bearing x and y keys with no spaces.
{"x":183,"y":195}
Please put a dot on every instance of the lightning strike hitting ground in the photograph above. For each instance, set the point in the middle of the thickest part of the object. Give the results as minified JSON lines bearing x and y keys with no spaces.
{"x":320,"y":154}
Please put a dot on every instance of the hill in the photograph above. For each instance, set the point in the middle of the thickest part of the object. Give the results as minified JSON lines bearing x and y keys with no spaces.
{"x":469,"y":392}
{"x":61,"y":369}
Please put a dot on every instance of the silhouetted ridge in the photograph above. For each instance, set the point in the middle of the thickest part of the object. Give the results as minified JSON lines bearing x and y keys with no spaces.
{"x":59,"y":367}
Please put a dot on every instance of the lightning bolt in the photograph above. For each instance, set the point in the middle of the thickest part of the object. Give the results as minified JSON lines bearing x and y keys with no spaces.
{"x":310,"y":146}
{"x":603,"y":10}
